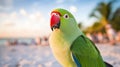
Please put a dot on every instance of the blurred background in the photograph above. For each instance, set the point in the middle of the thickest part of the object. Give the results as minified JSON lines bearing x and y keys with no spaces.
{"x":25,"y":30}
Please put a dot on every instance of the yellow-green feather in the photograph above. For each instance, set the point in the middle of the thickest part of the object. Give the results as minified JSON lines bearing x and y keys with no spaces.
{"x":60,"y":45}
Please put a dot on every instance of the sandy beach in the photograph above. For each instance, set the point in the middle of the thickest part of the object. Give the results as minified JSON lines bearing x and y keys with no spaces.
{"x":41,"y":56}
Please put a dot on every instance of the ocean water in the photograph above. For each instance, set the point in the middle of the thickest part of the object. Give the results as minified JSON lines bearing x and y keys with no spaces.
{"x":2,"y":41}
{"x":19,"y":40}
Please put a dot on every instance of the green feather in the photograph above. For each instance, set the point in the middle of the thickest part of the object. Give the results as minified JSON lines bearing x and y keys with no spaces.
{"x":86,"y":52}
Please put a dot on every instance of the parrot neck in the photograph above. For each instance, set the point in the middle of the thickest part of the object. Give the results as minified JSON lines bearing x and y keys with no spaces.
{"x":72,"y":34}
{"x":69,"y":34}
{"x":70,"y":29}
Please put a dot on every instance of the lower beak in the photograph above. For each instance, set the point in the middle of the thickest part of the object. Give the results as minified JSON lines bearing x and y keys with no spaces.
{"x":55,"y":21}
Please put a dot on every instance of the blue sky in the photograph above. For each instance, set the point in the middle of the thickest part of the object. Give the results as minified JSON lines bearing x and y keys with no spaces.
{"x":31,"y":17}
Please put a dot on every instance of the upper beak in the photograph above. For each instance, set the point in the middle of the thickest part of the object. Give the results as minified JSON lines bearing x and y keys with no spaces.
{"x":55,"y":20}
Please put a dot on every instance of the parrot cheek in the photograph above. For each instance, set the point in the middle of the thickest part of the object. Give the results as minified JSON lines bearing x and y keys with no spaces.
{"x":55,"y":21}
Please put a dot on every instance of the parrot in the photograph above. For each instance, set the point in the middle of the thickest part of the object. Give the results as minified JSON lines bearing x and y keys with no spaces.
{"x":69,"y":45}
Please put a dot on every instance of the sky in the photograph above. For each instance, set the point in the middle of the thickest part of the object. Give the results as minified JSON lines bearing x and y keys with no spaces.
{"x":31,"y":18}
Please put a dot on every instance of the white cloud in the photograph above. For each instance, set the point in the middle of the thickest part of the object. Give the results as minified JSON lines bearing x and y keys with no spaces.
{"x":3,"y":14}
{"x":7,"y":23}
{"x":22,"y":20}
{"x":23,"y":12}
{"x":13,"y":15}
{"x":34,"y":16}
{"x":8,"y":19}
{"x":73,"y":9}
{"x":37,"y":16}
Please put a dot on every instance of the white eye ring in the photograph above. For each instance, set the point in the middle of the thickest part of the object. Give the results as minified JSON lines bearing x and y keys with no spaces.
{"x":66,"y":16}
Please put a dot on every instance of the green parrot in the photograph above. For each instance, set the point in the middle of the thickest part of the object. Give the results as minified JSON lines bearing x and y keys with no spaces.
{"x":69,"y":45}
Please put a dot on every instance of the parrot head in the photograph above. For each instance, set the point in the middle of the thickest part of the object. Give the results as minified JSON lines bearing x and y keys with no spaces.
{"x":62,"y":19}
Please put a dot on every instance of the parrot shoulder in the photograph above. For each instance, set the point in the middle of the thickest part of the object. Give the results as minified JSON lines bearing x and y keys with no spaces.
{"x":84,"y":47}
{"x":86,"y":53}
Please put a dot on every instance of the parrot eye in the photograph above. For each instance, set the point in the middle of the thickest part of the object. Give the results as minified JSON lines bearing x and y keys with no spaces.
{"x":66,"y":16}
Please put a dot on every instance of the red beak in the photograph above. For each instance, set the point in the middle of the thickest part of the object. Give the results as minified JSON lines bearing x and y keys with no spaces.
{"x":55,"y":20}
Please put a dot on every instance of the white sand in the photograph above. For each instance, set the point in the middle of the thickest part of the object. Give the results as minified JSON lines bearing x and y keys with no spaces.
{"x":41,"y":56}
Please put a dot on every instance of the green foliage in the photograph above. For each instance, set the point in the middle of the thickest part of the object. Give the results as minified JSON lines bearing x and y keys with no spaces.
{"x":115,"y":21}
{"x":103,"y":12}
{"x":96,"y":27}
{"x":103,"y":9}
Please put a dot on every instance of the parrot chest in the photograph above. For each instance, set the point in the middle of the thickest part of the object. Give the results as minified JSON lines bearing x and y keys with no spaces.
{"x":61,"y":50}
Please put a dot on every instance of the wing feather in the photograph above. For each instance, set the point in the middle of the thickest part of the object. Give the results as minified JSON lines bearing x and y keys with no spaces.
{"x":86,"y":53}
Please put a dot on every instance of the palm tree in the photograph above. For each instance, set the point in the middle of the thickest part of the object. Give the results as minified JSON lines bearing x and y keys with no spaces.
{"x":115,"y":20}
{"x":103,"y":13}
